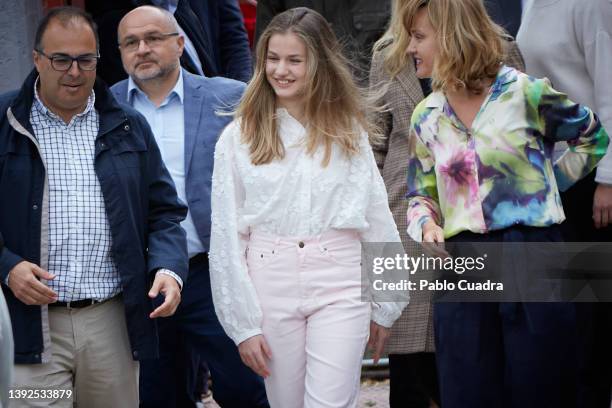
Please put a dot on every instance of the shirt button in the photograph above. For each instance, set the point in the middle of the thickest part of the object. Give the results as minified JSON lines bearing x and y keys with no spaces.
{"x":35,"y":207}
{"x":301,"y":244}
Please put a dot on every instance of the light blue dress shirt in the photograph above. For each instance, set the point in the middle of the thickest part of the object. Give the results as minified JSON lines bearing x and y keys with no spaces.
{"x":168,"y":125}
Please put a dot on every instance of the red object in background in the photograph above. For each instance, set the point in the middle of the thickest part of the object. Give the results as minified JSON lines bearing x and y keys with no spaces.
{"x":249,"y":13}
{"x":47,"y":4}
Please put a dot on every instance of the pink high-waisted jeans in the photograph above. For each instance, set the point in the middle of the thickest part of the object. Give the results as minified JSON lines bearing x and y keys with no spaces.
{"x":314,"y":319}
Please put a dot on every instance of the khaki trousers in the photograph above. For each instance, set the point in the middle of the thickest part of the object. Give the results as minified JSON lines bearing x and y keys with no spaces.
{"x":91,"y":355}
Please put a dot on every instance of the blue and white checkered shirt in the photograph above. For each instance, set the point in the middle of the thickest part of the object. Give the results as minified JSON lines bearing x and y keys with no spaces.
{"x":79,"y":234}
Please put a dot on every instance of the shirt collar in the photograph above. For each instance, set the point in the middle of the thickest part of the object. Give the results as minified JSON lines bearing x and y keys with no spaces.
{"x":43,"y":110}
{"x":505,"y":75}
{"x":178,"y":90}
{"x":291,"y":130}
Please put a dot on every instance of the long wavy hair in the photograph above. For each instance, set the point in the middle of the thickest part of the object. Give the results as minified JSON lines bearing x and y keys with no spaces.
{"x":335,"y":108}
{"x":395,"y":40}
{"x":470,"y":44}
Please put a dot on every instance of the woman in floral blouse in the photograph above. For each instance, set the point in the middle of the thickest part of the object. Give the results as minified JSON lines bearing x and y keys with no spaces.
{"x":481,"y":171}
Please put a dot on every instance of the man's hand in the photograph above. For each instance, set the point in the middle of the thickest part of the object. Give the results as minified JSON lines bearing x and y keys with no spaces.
{"x":253,"y":352}
{"x":602,"y":206}
{"x":378,"y":338}
{"x":27,"y":288}
{"x":169,"y":287}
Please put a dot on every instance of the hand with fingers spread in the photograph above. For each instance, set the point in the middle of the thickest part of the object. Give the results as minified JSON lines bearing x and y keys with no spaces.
{"x":169,"y":287}
{"x":26,"y":286}
{"x":602,"y":206}
{"x":378,"y":338}
{"x":254,"y":351}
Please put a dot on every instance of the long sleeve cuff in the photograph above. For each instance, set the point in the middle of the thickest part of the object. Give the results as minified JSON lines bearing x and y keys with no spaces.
{"x":8,"y":260}
{"x":168,"y":272}
{"x":245,"y":335}
{"x":415,"y":228}
{"x":386,"y":313}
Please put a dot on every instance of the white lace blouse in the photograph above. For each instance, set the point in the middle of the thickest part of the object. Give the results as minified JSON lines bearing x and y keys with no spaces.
{"x":295,"y":197}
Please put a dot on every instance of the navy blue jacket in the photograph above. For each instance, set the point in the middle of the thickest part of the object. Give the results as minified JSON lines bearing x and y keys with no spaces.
{"x":223,"y":33}
{"x":203,"y":99}
{"x":506,"y":13}
{"x":143,"y":211}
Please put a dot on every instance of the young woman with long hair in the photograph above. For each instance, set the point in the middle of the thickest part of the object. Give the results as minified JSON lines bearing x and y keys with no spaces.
{"x":295,"y":191}
{"x":481,"y":171}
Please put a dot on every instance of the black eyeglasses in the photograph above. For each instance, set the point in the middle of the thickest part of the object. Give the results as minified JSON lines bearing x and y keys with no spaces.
{"x":63,"y":62}
{"x":153,"y":40}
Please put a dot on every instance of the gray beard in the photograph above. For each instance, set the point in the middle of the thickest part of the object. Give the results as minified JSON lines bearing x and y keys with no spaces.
{"x":158,"y":74}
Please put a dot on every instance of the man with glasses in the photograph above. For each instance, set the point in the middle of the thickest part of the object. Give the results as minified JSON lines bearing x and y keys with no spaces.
{"x":91,"y":225}
{"x":216,"y":41}
{"x":181,"y":109}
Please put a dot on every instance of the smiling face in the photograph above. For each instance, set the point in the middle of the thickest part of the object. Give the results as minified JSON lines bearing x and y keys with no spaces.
{"x":158,"y":59}
{"x":65,"y":92}
{"x":286,"y":68}
{"x":423,"y":44}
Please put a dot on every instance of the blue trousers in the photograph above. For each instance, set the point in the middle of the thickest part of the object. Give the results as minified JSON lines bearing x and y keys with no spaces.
{"x":194,"y":333}
{"x":507,"y":355}
{"x":596,"y":318}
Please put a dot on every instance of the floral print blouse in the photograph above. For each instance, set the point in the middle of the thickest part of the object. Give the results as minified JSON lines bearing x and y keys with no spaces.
{"x":499,"y":172}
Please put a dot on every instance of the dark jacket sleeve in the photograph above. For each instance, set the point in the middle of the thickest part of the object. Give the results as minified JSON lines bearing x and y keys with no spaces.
{"x":236,"y":60}
{"x":166,"y":239}
{"x":8,"y":260}
{"x":266,"y":10}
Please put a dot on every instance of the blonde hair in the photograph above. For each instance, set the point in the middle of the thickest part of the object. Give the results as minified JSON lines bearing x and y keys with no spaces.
{"x":395,"y":40}
{"x":470,"y":44}
{"x":334,"y":108}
